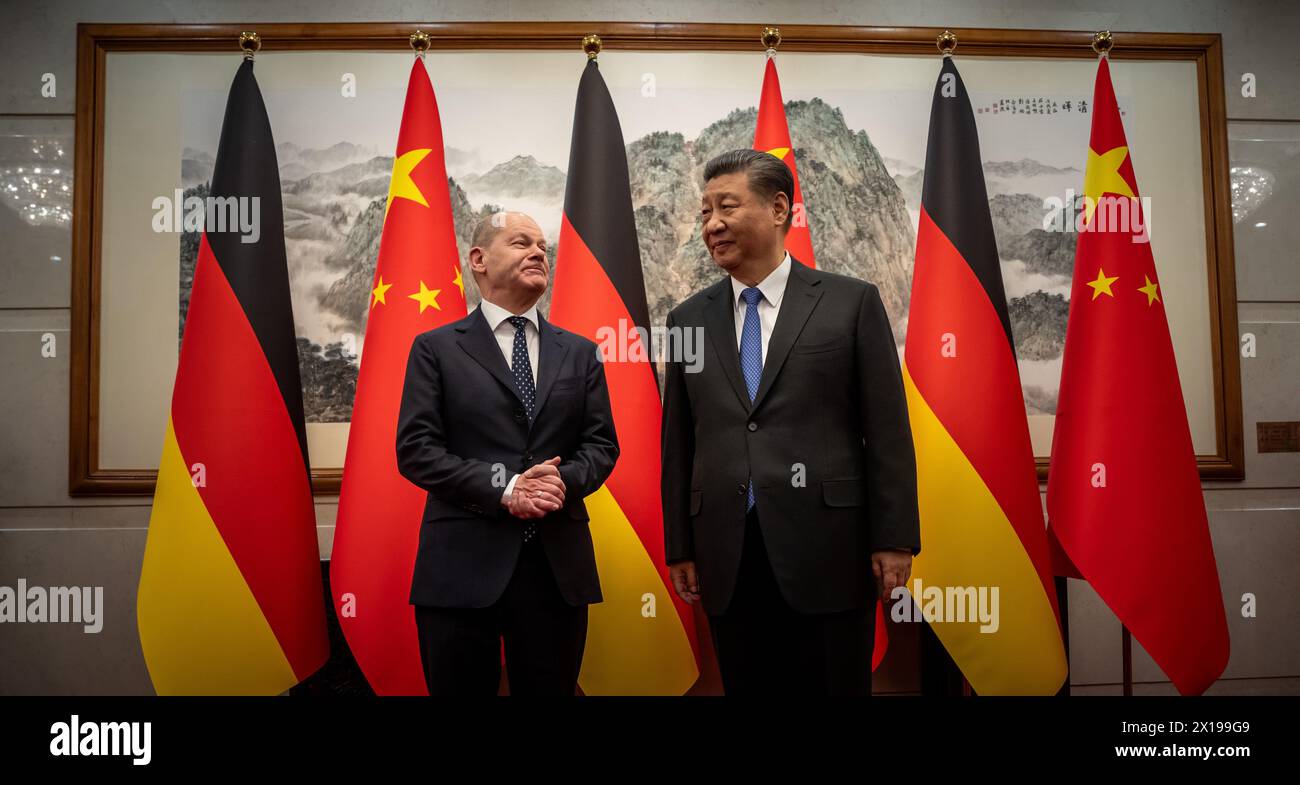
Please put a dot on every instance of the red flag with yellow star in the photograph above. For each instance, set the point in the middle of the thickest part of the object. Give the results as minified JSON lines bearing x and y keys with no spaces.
{"x":1124,"y":496}
{"x":772,"y":135}
{"x":417,"y":287}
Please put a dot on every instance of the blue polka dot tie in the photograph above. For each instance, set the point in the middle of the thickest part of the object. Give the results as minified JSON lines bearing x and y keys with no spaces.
{"x":751,"y":356}
{"x":522,"y":369}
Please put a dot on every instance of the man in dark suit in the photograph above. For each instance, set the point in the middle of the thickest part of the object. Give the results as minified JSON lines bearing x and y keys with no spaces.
{"x":789,"y":479}
{"x":506,"y":422}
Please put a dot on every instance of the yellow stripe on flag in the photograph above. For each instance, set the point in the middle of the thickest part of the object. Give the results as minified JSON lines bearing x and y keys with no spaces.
{"x":967,"y":540}
{"x":629,"y":651}
{"x":201,"y":629}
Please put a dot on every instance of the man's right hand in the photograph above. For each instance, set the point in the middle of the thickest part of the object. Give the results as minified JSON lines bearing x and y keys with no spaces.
{"x":685,"y":581}
{"x":539,"y":491}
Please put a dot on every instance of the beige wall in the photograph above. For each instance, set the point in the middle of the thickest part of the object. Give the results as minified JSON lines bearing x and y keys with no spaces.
{"x":51,"y":539}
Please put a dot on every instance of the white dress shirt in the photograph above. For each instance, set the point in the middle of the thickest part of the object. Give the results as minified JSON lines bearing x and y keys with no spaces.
{"x":773,"y":289}
{"x":498,"y":320}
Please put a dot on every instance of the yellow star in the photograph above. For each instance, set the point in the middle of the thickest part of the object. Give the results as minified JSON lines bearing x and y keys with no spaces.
{"x":779,"y":152}
{"x":379,"y":291}
{"x":401,"y":184}
{"x":1102,"y":284}
{"x":460,"y":282}
{"x":426,"y":297}
{"x":1150,"y":290}
{"x":1103,"y":177}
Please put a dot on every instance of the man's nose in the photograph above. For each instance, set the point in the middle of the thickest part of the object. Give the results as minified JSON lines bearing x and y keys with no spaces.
{"x":713,"y":225}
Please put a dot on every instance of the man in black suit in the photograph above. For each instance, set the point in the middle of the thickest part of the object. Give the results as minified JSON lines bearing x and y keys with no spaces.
{"x":506,"y":422}
{"x":789,"y":479}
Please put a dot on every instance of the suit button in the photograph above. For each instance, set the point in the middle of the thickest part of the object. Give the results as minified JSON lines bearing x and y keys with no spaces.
{"x":519,"y":415}
{"x":741,"y":488}
{"x":753,"y":426}
{"x":529,"y":458}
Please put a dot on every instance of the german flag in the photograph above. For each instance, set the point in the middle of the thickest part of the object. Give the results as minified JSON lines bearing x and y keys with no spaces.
{"x":641,"y":639}
{"x":981,"y":515}
{"x":772,"y":135}
{"x":417,"y":287}
{"x":230,"y":598}
{"x":1124,"y":496}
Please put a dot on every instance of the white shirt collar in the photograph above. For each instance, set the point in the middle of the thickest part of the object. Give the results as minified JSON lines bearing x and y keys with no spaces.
{"x":772,"y":287}
{"x":496,"y":315}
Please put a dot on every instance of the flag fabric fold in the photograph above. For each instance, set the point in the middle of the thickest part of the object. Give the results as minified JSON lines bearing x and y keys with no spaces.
{"x":1124,"y":496}
{"x":641,"y":639}
{"x":417,"y":286}
{"x":230,"y":598}
{"x":981,"y":514}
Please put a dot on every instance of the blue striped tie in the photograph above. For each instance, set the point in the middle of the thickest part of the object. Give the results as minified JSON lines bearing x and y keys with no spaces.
{"x":751,"y":356}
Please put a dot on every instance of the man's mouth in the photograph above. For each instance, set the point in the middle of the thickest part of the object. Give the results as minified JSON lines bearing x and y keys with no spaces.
{"x":721,"y":244}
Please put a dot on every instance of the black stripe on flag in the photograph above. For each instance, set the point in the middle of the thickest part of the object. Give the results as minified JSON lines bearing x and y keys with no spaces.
{"x":598,"y":197}
{"x":954,"y":195}
{"x":246,"y":167}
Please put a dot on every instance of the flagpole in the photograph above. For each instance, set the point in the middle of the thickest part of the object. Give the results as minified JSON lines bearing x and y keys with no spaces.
{"x":250,"y":42}
{"x":420,"y":41}
{"x":947,"y":42}
{"x":771,"y":38}
{"x":1102,"y":43}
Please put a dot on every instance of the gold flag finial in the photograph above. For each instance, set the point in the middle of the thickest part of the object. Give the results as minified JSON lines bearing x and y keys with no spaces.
{"x":946,"y":41}
{"x":250,"y":42}
{"x":420,"y":41}
{"x":771,"y":39}
{"x":1102,"y":42}
{"x":591,"y":44}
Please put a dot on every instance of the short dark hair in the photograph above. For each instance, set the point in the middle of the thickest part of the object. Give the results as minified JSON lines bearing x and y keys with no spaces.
{"x":767,"y":174}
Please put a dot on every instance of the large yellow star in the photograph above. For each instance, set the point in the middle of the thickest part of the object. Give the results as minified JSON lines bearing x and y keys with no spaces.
{"x":1103,"y":177}
{"x":379,"y":291}
{"x":779,"y":152}
{"x":1102,"y":284}
{"x":401,"y":184}
{"x":426,"y":297}
{"x":1150,"y":290}
{"x":460,"y":282}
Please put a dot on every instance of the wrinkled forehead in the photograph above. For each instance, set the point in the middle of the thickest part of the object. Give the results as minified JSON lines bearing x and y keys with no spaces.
{"x":733,"y":184}
{"x":520,"y":225}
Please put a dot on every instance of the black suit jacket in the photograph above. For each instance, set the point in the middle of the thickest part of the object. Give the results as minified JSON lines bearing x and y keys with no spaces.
{"x":462,"y":434}
{"x":826,"y":440}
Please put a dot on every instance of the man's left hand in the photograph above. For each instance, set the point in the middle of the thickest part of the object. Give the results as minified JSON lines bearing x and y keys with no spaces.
{"x":892,"y":568}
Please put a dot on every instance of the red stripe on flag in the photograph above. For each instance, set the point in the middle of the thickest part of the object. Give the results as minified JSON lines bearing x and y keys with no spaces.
{"x":951,"y":308}
{"x":585,"y":301}
{"x":229,"y":415}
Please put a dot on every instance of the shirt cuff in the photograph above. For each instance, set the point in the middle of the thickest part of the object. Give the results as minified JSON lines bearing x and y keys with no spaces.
{"x":510,"y":488}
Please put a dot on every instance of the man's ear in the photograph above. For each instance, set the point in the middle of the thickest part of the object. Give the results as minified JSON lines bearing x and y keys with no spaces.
{"x":781,"y":203}
{"x":476,"y":260}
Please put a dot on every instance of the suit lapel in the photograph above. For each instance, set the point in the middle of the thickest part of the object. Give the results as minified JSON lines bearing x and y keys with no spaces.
{"x":720,"y":321}
{"x":479,"y":343}
{"x":802,"y":291}
{"x":551,"y":350}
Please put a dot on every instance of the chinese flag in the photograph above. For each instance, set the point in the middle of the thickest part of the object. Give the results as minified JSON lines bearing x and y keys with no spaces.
{"x":230,"y":599}
{"x":977,"y":488}
{"x":417,"y":287}
{"x":641,"y":639}
{"x":772,"y":135}
{"x":1124,"y":497}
